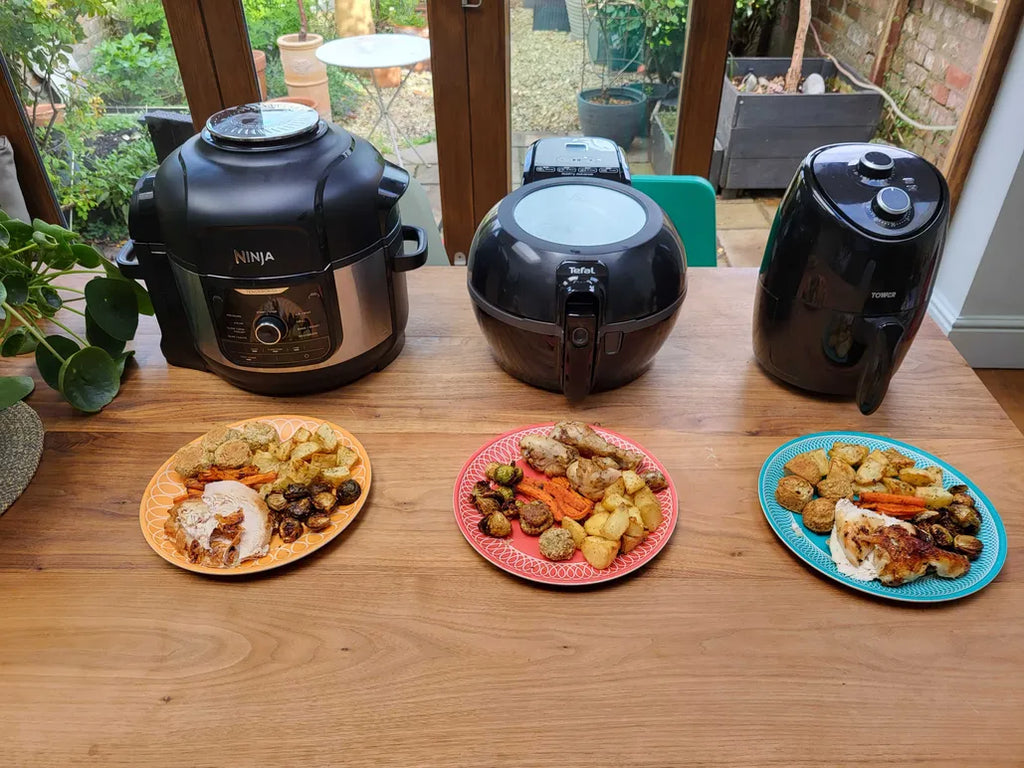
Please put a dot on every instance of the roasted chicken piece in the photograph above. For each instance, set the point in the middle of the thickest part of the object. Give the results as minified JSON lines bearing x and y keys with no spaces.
{"x":898,"y":554}
{"x":590,"y":444}
{"x":590,"y":478}
{"x":546,"y":455}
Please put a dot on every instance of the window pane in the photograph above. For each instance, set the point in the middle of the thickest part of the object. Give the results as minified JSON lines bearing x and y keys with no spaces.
{"x":86,"y":71}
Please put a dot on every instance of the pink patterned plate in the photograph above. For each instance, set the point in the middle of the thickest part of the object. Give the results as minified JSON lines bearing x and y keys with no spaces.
{"x":519,"y":554}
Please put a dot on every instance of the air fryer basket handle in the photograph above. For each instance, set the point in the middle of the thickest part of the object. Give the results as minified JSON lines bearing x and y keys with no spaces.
{"x":403,"y":262}
{"x":579,"y":342}
{"x":879,"y":363}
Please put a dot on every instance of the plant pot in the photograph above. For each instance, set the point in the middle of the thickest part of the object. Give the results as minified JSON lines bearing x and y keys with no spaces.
{"x":766,"y":135}
{"x":259,"y":60}
{"x":296,"y":100}
{"x":304,"y":74}
{"x":43,"y":114}
{"x":618,"y":122}
{"x":353,"y":17}
{"x":577,"y":19}
{"x":387,"y":77}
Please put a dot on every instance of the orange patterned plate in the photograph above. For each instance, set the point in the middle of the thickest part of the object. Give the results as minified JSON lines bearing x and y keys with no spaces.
{"x":166,"y":484}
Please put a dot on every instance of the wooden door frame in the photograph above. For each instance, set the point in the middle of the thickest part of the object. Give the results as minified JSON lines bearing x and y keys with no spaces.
{"x":469,"y":59}
{"x":707,"y":41}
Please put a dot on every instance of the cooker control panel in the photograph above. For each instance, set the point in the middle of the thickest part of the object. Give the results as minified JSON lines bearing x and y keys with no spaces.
{"x":282,"y":326}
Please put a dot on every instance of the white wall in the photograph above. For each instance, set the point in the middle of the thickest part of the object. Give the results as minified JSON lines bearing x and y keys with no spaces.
{"x":979,"y":292}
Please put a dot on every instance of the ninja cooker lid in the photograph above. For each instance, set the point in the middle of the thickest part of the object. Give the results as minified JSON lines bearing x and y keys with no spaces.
{"x":571,"y":235}
{"x":885,"y":191}
{"x":262,"y":125}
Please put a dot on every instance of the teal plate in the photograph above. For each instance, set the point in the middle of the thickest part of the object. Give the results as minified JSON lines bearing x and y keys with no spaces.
{"x":812,"y":548}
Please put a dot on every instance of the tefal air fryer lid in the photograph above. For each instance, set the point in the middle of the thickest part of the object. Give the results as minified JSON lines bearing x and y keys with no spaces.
{"x":264,"y":125}
{"x":558,"y":236}
{"x":885,"y":192}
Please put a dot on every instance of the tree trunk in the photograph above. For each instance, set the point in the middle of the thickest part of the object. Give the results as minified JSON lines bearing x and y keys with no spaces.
{"x":797,"y":63}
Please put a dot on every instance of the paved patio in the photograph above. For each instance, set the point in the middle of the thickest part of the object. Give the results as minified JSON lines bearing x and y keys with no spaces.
{"x":743,"y":223}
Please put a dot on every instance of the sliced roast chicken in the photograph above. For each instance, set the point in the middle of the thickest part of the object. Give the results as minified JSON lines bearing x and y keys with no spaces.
{"x":546,"y":455}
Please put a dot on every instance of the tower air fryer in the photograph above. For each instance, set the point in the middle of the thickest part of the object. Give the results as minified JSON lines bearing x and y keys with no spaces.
{"x":849,"y":268}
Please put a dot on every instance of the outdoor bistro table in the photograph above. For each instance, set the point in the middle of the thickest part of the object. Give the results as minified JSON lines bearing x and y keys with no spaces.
{"x":377,"y":52}
{"x":398,"y":645}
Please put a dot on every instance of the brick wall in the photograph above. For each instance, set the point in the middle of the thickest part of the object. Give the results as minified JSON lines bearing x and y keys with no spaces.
{"x":930,"y":71}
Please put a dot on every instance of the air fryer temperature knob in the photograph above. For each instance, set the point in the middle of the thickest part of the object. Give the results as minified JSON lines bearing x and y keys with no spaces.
{"x":875,"y":165}
{"x":270,"y":329}
{"x":891,"y":203}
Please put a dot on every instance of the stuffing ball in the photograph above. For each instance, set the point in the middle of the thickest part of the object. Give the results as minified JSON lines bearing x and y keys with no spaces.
{"x":557,"y":544}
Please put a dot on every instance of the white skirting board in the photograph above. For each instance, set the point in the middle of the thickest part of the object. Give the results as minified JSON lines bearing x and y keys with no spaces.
{"x":985,"y":341}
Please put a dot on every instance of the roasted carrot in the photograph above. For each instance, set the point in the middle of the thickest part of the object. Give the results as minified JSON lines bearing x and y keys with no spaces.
{"x":893,"y":510}
{"x":891,"y":498}
{"x":191,"y":493}
{"x":569,"y":494}
{"x":260,"y":479}
{"x":534,"y":490}
{"x":179,"y":499}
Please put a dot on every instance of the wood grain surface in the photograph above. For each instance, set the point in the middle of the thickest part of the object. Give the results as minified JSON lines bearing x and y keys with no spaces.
{"x":398,"y":646}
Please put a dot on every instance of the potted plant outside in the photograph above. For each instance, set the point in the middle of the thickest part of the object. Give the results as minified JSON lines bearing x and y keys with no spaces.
{"x":304,"y":74}
{"x":766,"y":128}
{"x":613,"y":111}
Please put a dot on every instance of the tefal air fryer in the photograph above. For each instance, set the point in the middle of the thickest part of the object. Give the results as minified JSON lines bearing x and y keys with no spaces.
{"x":849,"y":268}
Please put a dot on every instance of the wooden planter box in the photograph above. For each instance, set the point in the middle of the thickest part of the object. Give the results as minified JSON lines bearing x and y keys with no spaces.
{"x":662,"y":145}
{"x":765,"y":136}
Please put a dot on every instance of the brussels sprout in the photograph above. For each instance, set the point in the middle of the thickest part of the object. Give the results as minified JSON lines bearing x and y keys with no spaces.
{"x":965,"y":518}
{"x":655,"y":480}
{"x":941,"y":536}
{"x":507,"y":494}
{"x":290,"y":529}
{"x":294,"y":492}
{"x":277,"y":502}
{"x":300,"y":509}
{"x":349,"y":492}
{"x":495,"y":524}
{"x":504,"y":474}
{"x":968,"y":545}
{"x":320,"y":486}
{"x":318,"y":522}
{"x":325,"y":502}
{"x":923,"y":533}
{"x":927,"y":517}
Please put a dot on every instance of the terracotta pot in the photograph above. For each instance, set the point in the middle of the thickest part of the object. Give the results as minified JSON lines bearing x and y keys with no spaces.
{"x":43,"y":114}
{"x":387,"y":77}
{"x":353,"y":17}
{"x":296,"y":100}
{"x":304,"y":74}
{"x":259,"y":59}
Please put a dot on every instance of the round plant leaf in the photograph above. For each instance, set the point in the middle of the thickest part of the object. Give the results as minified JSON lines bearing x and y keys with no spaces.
{"x":5,"y":236}
{"x":43,"y":301}
{"x":18,"y":342}
{"x":3,"y":293}
{"x":100,"y":338}
{"x":61,"y":257}
{"x":48,"y":365}
{"x":16,"y":288}
{"x":121,"y":360}
{"x":58,"y":233}
{"x":89,"y":379}
{"x":112,"y":270}
{"x":50,"y":297}
{"x":20,"y":232}
{"x":44,"y":241}
{"x":113,"y":306}
{"x":10,"y":265}
{"x":3,"y":215}
{"x":86,"y":255}
{"x":13,"y":389}
{"x":142,"y":299}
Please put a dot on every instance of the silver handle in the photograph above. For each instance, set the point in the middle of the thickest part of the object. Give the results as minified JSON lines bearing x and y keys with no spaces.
{"x":477,"y":4}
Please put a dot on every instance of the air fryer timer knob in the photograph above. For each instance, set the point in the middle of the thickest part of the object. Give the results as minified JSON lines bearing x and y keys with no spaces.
{"x":891,"y":203}
{"x":269,"y":329}
{"x":875,"y":165}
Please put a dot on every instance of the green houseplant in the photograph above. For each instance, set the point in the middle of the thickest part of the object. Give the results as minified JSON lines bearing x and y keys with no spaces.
{"x":86,"y":371}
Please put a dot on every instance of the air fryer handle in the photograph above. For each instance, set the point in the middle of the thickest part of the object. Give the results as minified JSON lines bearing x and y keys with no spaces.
{"x":879,"y":365}
{"x":403,"y":262}
{"x":128,"y":262}
{"x":578,"y":357}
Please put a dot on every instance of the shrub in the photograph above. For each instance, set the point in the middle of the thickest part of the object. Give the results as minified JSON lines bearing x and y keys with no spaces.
{"x":388,"y":14}
{"x":135,"y":70}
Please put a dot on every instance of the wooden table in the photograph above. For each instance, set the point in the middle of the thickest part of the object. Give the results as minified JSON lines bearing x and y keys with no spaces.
{"x":398,"y":645}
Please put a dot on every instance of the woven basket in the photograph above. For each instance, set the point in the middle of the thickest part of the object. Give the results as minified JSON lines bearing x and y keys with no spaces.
{"x":21,"y":445}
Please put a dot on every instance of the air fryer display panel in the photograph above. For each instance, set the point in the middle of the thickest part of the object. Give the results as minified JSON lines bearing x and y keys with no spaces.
{"x":284,"y":326}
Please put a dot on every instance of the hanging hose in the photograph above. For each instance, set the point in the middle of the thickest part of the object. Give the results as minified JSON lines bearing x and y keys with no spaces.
{"x":872,"y":87}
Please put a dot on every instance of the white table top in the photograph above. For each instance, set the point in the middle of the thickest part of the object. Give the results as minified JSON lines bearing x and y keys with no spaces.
{"x":372,"y":51}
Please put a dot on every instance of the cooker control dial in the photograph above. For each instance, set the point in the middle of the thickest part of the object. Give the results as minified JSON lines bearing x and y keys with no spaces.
{"x":270,"y":329}
{"x":891,"y":204}
{"x":875,"y":165}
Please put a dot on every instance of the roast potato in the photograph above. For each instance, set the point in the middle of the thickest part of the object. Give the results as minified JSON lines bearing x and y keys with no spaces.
{"x":616,"y":524}
{"x":632,"y":481}
{"x":852,"y":453}
{"x":301,"y":435}
{"x":347,"y":457}
{"x":325,"y":436}
{"x":599,"y":552}
{"x":921,"y":475}
{"x":577,"y":531}
{"x":898,"y":487}
{"x":618,"y":488}
{"x":934,"y":496}
{"x":650,"y":510}
{"x":613,"y":502}
{"x":595,"y":523}
{"x":810,"y":465}
{"x":629,"y":543}
{"x":793,"y":493}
